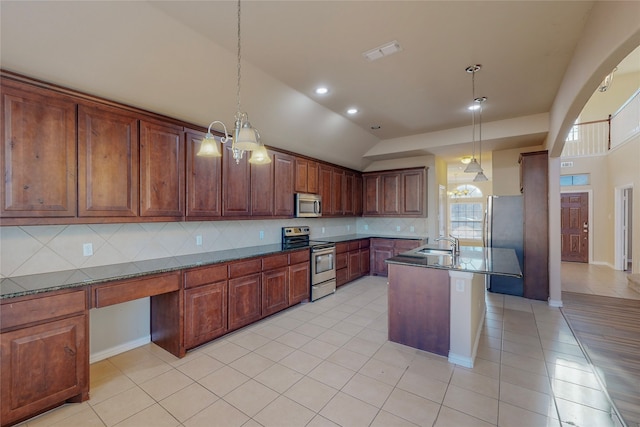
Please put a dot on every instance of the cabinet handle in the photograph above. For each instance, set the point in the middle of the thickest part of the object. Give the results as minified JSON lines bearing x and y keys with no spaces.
{"x":69,"y":351}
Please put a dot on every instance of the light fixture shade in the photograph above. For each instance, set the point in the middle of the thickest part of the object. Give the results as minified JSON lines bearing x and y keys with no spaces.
{"x":473,"y":167}
{"x":209,"y":147}
{"x":260,"y":156}
{"x":246,"y":139}
{"x":480,"y":177}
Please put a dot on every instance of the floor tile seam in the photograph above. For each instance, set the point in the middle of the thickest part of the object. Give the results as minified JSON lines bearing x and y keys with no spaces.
{"x":137,"y":412}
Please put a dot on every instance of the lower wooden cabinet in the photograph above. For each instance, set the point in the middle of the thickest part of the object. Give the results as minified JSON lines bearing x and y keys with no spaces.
{"x":205,"y":313}
{"x":245,"y":302}
{"x":299,"y":282}
{"x":352,"y":260}
{"x":43,"y":363}
{"x":275,"y":290}
{"x":383,"y":249}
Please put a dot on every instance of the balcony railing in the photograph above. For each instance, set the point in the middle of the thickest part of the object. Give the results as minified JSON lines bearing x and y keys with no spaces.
{"x":598,"y":137}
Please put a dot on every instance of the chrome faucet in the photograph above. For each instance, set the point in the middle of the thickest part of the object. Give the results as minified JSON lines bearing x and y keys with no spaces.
{"x":455,"y":243}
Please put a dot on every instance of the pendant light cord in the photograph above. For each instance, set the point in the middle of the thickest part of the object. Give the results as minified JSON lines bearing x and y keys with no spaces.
{"x":473,"y":114}
{"x":239,"y":61}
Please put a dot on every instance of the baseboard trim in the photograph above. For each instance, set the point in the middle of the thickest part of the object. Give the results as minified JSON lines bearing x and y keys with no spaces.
{"x":556,"y":303}
{"x":113,"y":351}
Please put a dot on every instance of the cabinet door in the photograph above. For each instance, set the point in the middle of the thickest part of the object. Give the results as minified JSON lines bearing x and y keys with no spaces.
{"x":326,"y":189}
{"x":236,"y":184}
{"x":275,"y":290}
{"x":413,"y":192}
{"x":205,"y":313}
{"x":357,"y":195}
{"x":371,"y":195}
{"x":337,"y":193}
{"x":299,"y":282}
{"x":365,"y":261}
{"x":381,"y":249}
{"x":391,"y":193}
{"x":302,"y":170}
{"x":283,"y":184}
{"x":39,"y":152}
{"x":347,"y":196}
{"x":42,"y":366}
{"x":354,"y":265}
{"x":245,"y":303}
{"x":204,"y":179}
{"x":312,"y":177}
{"x":161,"y":170}
{"x":262,"y":187}
{"x":107,"y":162}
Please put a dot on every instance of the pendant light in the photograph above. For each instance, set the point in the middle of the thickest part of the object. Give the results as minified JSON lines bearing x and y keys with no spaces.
{"x":480,"y":177}
{"x":245,"y":137}
{"x":473,"y":166}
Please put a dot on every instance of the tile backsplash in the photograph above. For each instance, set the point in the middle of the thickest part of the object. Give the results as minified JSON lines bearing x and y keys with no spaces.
{"x":42,"y":249}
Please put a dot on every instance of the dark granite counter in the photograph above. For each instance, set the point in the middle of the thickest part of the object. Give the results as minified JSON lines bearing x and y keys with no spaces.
{"x":12,"y":287}
{"x":350,"y":237}
{"x":472,"y":259}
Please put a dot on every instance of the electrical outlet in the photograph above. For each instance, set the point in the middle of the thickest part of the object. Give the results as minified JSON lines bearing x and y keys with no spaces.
{"x":198,"y":240}
{"x":459,"y":285}
{"x":322,"y":230}
{"x":412,"y":229}
{"x":261,"y":235}
{"x":87,"y":249}
{"x":366,"y":227}
{"x":397,"y":228}
{"x":348,"y":227}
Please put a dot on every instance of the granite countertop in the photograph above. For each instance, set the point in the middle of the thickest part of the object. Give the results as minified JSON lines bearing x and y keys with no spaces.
{"x":472,"y":259}
{"x":349,"y":237}
{"x":12,"y":287}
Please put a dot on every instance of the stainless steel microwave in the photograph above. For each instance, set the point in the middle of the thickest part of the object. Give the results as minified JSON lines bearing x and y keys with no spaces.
{"x":308,"y":205}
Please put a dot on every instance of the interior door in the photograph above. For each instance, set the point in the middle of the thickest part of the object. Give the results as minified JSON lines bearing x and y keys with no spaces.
{"x":575,"y":226}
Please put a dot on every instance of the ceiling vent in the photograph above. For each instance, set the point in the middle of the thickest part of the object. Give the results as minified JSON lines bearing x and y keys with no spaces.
{"x":382,"y":51}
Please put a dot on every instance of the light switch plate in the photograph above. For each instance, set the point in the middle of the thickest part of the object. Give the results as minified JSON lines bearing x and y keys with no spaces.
{"x":87,"y":249}
{"x":198,"y":240}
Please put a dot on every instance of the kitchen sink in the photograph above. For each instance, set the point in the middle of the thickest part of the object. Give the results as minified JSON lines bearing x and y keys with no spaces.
{"x":432,"y":251}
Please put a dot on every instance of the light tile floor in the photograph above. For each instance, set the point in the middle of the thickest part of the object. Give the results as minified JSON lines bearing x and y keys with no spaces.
{"x":596,"y":280}
{"x":329,"y":363}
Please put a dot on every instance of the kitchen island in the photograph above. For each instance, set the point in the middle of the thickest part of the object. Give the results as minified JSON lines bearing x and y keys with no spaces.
{"x":436,"y":297}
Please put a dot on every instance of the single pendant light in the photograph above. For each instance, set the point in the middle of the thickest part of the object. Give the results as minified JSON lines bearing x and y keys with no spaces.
{"x":480,"y":177}
{"x":473,"y":166}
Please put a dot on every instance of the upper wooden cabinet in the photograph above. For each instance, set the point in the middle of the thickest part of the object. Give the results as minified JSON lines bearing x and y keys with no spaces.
{"x":283,"y":165}
{"x":272,"y":186}
{"x":204,"y":179}
{"x":395,"y":193}
{"x":236,"y":185}
{"x":325,"y":175}
{"x":306,"y":179}
{"x":38,"y":153}
{"x":262,"y":178}
{"x":107,"y":162}
{"x":162,"y":159}
{"x":337,"y":193}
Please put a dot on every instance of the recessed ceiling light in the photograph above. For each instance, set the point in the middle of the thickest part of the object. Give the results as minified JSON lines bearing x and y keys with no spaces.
{"x":321,"y":90}
{"x":375,"y":127}
{"x":352,"y":110}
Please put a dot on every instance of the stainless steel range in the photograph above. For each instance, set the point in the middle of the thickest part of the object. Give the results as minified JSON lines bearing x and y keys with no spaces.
{"x":323,"y":259}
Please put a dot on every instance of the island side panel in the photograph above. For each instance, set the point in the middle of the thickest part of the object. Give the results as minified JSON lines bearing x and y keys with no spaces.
{"x":419,"y":308}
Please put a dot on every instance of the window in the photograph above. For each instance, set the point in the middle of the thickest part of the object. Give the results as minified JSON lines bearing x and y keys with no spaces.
{"x":573,"y":134}
{"x":466,"y":213}
{"x":570,"y":180}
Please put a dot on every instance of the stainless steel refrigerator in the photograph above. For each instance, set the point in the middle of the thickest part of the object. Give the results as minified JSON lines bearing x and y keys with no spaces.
{"x":504,"y":228}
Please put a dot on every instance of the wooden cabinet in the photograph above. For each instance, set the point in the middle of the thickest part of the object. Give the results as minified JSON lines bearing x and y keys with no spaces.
{"x":205,"y":304}
{"x":275,"y":283}
{"x":162,"y":159}
{"x":534,"y":172}
{"x":326,"y":189}
{"x":337,"y":193}
{"x":44,"y":358}
{"x":299,"y":277}
{"x":357,"y":195}
{"x":38,"y":153}
{"x":262,"y":188}
{"x":245,"y":300}
{"x":348,"y":191}
{"x":350,"y":264}
{"x":395,"y":193}
{"x":383,"y":249}
{"x":283,"y":184}
{"x":204,"y":179}
{"x":236,"y":185}
{"x":107,"y":162}
{"x":306,"y":176}
{"x":365,"y":261}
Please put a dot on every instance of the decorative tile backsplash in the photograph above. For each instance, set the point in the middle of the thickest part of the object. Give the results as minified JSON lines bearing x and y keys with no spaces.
{"x":48,"y":248}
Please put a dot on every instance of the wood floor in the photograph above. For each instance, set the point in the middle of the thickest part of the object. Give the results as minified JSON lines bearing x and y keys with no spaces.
{"x":608,"y":329}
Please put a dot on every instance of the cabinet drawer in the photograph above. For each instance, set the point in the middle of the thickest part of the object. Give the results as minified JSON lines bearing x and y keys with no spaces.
{"x":244,"y":268}
{"x":407,"y":244}
{"x":365,"y":243}
{"x":299,"y":257}
{"x":354,"y":246}
{"x":36,"y":309}
{"x":382,"y":242}
{"x":342,"y":247}
{"x":105,"y":295}
{"x":203,"y":276}
{"x":275,"y":261}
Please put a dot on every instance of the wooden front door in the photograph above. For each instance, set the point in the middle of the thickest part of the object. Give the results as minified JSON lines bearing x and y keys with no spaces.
{"x":575,"y":226}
